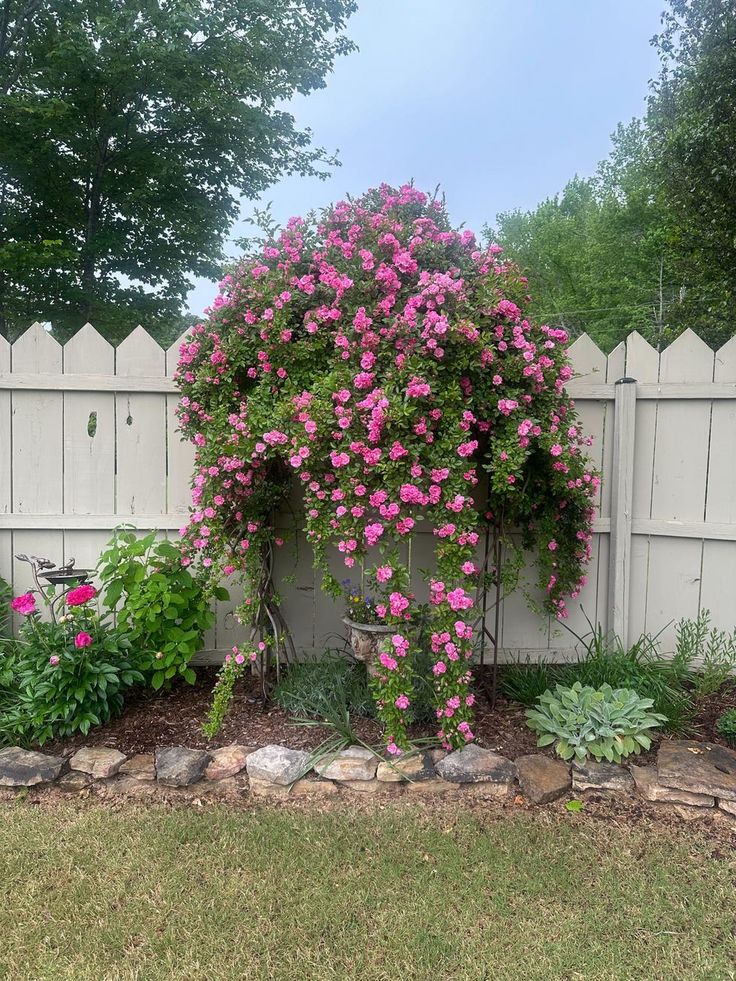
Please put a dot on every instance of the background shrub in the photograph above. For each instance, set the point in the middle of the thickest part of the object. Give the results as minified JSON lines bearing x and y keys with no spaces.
{"x":641,"y":667}
{"x":161,"y":606}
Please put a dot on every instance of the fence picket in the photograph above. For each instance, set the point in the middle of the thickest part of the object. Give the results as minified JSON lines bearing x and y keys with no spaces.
{"x":679,"y":484}
{"x":141,"y":430}
{"x":37,"y":439}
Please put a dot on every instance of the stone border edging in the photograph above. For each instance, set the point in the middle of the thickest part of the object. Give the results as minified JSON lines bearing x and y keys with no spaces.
{"x":696,"y":778}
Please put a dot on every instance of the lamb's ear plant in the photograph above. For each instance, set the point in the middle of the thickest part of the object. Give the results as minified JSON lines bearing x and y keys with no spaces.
{"x":604,"y":723}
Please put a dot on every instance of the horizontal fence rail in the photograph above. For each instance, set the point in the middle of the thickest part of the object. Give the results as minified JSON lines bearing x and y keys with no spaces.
{"x":88,"y":442}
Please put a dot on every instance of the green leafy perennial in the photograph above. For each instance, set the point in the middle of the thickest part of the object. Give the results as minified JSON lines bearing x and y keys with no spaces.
{"x":604,"y":723}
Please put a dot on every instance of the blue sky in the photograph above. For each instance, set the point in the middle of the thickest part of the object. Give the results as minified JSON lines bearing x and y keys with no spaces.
{"x":499,"y":102}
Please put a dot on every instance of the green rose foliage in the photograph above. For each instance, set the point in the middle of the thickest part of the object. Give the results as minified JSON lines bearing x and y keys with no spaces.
{"x":385,"y":362}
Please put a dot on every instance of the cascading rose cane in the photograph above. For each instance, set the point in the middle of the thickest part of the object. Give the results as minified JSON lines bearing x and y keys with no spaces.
{"x":384,"y":361}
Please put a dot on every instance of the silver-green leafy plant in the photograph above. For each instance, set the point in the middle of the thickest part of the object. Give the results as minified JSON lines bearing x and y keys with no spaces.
{"x":602,"y":722}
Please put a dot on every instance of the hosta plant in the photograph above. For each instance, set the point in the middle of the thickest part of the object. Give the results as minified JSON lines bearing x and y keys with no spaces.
{"x":603,"y":722}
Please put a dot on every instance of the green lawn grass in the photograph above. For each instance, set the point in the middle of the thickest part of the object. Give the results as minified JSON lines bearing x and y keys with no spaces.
{"x":154,"y":893}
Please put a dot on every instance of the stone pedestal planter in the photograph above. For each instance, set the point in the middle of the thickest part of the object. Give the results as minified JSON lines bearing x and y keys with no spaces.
{"x":366,"y":641}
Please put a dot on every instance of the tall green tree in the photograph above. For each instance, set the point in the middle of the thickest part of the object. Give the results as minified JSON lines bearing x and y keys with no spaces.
{"x":691,"y":122}
{"x":595,"y":255}
{"x":649,"y":241}
{"x":128,"y":133}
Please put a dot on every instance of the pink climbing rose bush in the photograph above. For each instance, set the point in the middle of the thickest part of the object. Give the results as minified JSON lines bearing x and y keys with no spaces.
{"x":384,"y":361}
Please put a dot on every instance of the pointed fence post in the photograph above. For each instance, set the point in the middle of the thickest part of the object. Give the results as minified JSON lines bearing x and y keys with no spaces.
{"x":622,"y":495}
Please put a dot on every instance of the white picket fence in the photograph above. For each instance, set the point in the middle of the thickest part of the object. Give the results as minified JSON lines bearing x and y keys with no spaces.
{"x":88,"y":441}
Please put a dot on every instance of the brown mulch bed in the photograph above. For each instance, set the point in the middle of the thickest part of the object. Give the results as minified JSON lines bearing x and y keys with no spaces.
{"x":175,"y":717}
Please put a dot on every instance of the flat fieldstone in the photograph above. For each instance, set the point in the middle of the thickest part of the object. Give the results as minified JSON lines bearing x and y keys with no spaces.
{"x":728,"y":807}
{"x":689,"y":813}
{"x":542,"y":779}
{"x":485,"y":790}
{"x":402,"y":769}
{"x":353,"y":763}
{"x":471,"y":764}
{"x":25,"y":768}
{"x":267,"y":788}
{"x":701,"y":768}
{"x":127,"y":786}
{"x":434,"y":787}
{"x":74,"y":782}
{"x":277,"y":764}
{"x":141,"y":766}
{"x":314,"y":788}
{"x":648,"y":785}
{"x":601,"y":776}
{"x":368,"y":786}
{"x":180,"y":767}
{"x":100,"y":762}
{"x":227,"y":761}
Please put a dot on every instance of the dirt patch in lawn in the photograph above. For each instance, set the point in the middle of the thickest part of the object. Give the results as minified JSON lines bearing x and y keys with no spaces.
{"x":175,"y":717}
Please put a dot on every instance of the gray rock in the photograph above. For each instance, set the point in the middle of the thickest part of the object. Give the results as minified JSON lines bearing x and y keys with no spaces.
{"x":227,"y":761}
{"x":728,"y":807}
{"x":353,"y":763}
{"x":701,"y":768}
{"x":99,"y":761}
{"x":471,"y":764}
{"x":542,"y":779}
{"x":140,"y":767}
{"x":645,"y":778}
{"x":417,"y":767}
{"x":74,"y":782}
{"x":277,"y":764}
{"x":179,"y":767}
{"x":24,"y":768}
{"x":601,"y":776}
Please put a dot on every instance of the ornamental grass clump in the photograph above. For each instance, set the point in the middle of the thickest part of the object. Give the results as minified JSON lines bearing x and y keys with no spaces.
{"x":605,"y":723}
{"x":384,"y":361}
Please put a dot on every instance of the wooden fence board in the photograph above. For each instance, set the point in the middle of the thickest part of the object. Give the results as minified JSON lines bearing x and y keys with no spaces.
{"x":141,"y":430}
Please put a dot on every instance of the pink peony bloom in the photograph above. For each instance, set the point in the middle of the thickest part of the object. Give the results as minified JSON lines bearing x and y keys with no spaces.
{"x":80,"y":595}
{"x":54,"y":660}
{"x":83,"y":639}
{"x":25,"y":604}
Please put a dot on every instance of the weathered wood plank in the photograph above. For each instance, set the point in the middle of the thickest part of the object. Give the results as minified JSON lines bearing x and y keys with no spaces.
{"x":37,"y":428}
{"x":141,"y":430}
{"x":622,"y":495}
{"x":89,"y":429}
